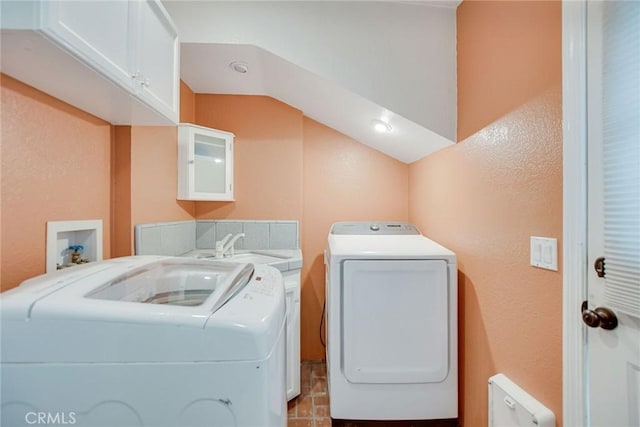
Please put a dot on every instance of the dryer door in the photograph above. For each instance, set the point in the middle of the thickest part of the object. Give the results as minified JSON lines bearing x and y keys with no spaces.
{"x":395,"y":321}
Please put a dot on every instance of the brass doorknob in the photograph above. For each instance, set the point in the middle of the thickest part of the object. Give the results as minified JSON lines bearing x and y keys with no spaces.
{"x":599,"y":317}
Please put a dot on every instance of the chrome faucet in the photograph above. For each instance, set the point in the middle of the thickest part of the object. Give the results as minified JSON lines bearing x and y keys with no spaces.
{"x":224,"y":249}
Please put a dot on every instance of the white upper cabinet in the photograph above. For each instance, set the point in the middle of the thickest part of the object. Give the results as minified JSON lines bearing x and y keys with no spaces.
{"x":157,"y":68}
{"x":98,"y":32}
{"x":118,"y":60}
{"x":205,"y":163}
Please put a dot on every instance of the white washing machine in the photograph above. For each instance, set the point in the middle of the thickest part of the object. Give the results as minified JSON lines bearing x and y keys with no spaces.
{"x":145,"y":341}
{"x":392,"y":343}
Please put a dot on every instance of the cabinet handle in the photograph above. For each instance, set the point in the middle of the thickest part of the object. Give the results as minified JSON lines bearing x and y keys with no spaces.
{"x":140,"y":79}
{"x":191,"y":162}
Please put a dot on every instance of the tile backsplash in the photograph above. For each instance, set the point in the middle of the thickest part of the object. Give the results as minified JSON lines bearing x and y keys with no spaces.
{"x":256,"y":235}
{"x":179,"y":237}
{"x":205,"y":233}
{"x":165,"y":238}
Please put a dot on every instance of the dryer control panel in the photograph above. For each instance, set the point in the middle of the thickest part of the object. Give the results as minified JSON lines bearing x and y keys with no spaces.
{"x":374,"y":228}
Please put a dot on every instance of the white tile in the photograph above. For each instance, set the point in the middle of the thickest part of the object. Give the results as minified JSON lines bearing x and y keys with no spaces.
{"x":229,"y":227}
{"x":170,"y":239}
{"x":283,"y":235}
{"x":148,"y":240}
{"x":165,"y":238}
{"x":205,"y":234}
{"x":187,"y":237}
{"x":256,"y":235}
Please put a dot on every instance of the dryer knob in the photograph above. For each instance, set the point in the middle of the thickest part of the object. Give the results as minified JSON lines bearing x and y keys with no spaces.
{"x":374,"y":227}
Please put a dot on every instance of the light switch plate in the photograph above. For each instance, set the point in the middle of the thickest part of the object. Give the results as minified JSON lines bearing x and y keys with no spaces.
{"x":544,"y":253}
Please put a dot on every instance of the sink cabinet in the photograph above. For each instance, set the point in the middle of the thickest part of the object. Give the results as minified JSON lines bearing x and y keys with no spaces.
{"x":292,"y":294}
{"x":205,"y":163}
{"x":118,"y":60}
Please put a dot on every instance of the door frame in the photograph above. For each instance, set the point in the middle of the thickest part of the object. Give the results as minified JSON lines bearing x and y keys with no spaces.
{"x":574,"y":234}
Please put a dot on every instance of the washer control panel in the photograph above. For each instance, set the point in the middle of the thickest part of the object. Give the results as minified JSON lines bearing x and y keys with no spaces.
{"x":374,"y":228}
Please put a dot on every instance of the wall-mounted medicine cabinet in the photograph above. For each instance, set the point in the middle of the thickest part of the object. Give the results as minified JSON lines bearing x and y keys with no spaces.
{"x":205,"y":163}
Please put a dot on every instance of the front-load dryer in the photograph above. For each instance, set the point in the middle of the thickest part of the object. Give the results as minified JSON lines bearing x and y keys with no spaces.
{"x":391,"y":312}
{"x":145,"y":341}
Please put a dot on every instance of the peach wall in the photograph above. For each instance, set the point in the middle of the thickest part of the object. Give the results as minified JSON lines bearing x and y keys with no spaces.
{"x":121,"y":228}
{"x":187,"y":104}
{"x":343,"y":181}
{"x":514,"y":62}
{"x":145,"y":182}
{"x":267,"y":156}
{"x":55,"y":166}
{"x":145,"y":176}
{"x":485,"y":197}
{"x":154,"y":176}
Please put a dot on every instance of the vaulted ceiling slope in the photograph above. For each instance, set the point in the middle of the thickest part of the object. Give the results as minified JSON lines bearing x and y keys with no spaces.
{"x":342,"y":63}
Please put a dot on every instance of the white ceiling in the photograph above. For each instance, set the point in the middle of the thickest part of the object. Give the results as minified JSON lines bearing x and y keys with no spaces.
{"x":341,"y":63}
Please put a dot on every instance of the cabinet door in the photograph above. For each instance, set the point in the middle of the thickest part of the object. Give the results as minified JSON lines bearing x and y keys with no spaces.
{"x":205,"y":164}
{"x":96,"y":31}
{"x":292,"y":293}
{"x":209,"y":164}
{"x":157,"y":65}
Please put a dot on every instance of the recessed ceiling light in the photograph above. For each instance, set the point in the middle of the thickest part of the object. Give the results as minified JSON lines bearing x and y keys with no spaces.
{"x":380,"y":126}
{"x":240,"y":67}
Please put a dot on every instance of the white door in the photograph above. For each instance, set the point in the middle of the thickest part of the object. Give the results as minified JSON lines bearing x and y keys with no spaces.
{"x":613,"y":117}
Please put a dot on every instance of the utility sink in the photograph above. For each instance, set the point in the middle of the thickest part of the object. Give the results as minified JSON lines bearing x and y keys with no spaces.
{"x":248,"y":257}
{"x":256,"y":258}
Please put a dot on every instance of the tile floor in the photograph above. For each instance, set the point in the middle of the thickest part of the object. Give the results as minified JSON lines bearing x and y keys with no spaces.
{"x":311,"y":408}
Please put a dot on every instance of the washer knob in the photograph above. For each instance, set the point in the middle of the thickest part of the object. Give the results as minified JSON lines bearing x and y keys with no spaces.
{"x":374,"y":227}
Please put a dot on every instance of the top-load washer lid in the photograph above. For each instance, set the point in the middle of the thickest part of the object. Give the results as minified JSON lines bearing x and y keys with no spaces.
{"x":177,"y":282}
{"x":140,"y":290}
